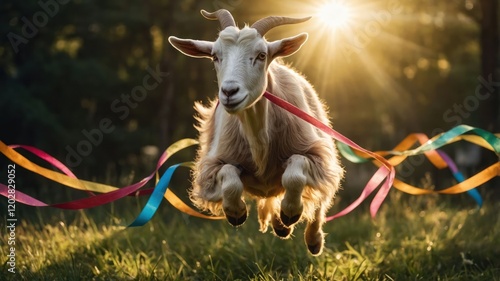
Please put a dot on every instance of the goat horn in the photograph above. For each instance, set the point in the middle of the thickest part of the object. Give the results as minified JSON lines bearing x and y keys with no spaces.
{"x":224,"y":16}
{"x":266,"y":24}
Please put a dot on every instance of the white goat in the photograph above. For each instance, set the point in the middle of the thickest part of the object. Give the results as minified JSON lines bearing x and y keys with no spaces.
{"x":248,"y":145}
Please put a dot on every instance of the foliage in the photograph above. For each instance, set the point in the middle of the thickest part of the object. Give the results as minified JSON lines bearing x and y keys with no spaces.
{"x":393,"y":72}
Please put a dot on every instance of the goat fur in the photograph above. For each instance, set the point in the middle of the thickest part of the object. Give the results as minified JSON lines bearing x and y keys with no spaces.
{"x":289,"y":167}
{"x":263,"y":156}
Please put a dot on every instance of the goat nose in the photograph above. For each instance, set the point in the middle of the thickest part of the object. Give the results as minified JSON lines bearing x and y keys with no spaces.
{"x":229,"y":91}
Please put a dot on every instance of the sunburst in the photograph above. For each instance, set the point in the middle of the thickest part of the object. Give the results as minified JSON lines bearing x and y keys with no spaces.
{"x":334,"y":14}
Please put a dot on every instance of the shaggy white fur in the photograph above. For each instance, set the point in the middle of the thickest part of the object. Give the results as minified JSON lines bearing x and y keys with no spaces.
{"x":250,"y":147}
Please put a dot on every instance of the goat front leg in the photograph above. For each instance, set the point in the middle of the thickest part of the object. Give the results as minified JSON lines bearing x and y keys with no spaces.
{"x":294,"y":179}
{"x":232,"y":190}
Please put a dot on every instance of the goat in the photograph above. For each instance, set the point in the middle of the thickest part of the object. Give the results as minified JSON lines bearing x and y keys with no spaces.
{"x":250,"y":146}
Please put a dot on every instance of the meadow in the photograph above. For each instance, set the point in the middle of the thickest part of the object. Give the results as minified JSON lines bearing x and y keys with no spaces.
{"x":412,"y":238}
{"x":97,"y":84}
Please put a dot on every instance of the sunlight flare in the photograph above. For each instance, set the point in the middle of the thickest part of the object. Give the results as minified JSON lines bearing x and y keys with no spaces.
{"x":334,"y":14}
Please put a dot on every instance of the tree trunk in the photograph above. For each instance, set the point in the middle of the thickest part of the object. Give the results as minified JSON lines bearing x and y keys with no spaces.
{"x":167,"y":111}
{"x":489,"y":110}
{"x":490,"y":72}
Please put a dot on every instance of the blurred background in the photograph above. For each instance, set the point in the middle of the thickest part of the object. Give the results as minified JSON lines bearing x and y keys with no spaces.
{"x":96,"y":84}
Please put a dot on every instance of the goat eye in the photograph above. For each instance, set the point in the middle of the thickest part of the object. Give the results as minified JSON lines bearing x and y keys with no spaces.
{"x":262,"y":56}
{"x":215,"y":58}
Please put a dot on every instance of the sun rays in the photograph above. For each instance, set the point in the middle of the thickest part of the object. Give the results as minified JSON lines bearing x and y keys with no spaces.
{"x":348,"y":39}
{"x":367,"y":55}
{"x":334,"y":14}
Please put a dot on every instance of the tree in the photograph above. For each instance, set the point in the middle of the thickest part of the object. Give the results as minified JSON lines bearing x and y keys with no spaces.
{"x":490,"y":63}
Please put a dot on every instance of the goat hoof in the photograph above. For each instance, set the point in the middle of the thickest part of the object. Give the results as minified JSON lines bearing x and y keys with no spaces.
{"x":237,"y":221}
{"x":315,"y":250}
{"x":282,"y":232}
{"x":287,"y":221}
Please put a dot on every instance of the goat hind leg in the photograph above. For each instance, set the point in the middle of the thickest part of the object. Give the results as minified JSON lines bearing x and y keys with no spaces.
{"x":267,"y":210}
{"x":232,"y":189}
{"x":314,"y":236}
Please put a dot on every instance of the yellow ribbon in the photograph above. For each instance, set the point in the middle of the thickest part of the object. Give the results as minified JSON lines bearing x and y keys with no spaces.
{"x":98,"y":187}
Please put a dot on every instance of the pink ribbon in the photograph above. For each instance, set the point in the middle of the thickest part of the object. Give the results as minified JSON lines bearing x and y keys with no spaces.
{"x":385,"y":174}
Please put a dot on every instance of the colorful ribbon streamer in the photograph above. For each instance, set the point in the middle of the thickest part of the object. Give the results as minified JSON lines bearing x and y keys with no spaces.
{"x":156,"y":197}
{"x":486,"y":140}
{"x":109,"y":193}
{"x":385,"y":175}
{"x":460,"y":177}
{"x":401,"y":152}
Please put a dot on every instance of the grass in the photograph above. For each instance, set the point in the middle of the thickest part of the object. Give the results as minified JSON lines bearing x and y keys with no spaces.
{"x":412,"y":238}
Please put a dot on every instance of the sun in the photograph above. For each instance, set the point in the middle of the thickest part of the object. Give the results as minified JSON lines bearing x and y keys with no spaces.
{"x":334,"y":14}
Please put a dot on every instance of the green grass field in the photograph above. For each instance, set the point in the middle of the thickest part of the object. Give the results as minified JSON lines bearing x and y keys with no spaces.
{"x":412,"y":238}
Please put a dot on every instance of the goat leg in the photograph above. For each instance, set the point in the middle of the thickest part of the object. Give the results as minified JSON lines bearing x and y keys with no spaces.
{"x":294,"y":180}
{"x":232,"y":190}
{"x":314,"y":236}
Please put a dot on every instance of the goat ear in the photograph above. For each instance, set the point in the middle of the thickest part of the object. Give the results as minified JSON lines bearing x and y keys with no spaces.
{"x":192,"y":48}
{"x":287,"y":46}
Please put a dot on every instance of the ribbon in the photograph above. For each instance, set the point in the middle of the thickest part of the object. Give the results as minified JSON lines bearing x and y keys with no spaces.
{"x":110,"y":193}
{"x":439,"y":158}
{"x":385,"y":175}
{"x":463,"y":185}
{"x":156,"y":197}
{"x":460,"y":178}
{"x":386,"y":172}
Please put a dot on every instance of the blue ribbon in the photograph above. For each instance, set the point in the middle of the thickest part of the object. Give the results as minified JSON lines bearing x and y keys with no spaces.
{"x":473,"y":192}
{"x":349,"y":154}
{"x":156,"y":197}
